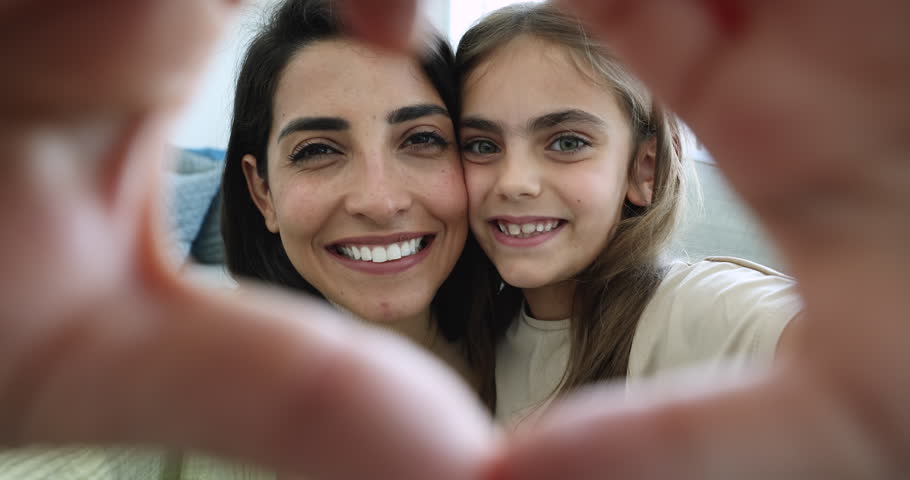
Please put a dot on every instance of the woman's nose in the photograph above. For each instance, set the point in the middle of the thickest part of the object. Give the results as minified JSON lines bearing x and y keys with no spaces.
{"x":379,"y":192}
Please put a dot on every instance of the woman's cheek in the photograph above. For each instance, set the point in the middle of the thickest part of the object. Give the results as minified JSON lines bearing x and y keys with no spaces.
{"x":304,"y":207}
{"x":449,"y":191}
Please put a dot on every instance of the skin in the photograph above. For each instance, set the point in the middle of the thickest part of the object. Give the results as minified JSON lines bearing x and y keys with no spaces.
{"x":832,"y":184}
{"x":574,"y":171}
{"x":372,"y":178}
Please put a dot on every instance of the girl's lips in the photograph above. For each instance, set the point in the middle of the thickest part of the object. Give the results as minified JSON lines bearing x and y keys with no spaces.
{"x":524,"y":219}
{"x":534,"y":239}
{"x":388,"y":267}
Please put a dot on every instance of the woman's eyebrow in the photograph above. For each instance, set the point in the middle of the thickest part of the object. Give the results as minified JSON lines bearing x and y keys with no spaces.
{"x":413,"y":112}
{"x":314,"y":123}
{"x":573,"y":115}
{"x":482,"y":124}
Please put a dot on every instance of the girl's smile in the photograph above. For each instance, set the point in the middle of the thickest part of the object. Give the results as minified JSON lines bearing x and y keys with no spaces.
{"x":525,"y":231}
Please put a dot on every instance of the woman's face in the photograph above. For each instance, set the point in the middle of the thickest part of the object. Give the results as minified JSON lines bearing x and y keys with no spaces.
{"x":546,"y":153}
{"x":364,"y":183}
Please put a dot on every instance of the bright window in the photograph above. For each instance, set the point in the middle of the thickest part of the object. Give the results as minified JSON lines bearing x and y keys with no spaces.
{"x":463,"y":14}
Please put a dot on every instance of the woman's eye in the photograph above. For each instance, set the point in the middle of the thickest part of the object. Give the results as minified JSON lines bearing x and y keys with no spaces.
{"x":311,"y":150}
{"x":481,"y":147}
{"x":568,"y":143}
{"x":426,"y":139}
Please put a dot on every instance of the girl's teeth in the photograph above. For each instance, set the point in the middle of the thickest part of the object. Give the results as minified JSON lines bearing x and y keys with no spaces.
{"x":526,"y":229}
{"x":381,"y":254}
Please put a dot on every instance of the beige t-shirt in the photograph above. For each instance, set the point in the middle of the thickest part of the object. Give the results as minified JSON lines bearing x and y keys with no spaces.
{"x":709,"y":313}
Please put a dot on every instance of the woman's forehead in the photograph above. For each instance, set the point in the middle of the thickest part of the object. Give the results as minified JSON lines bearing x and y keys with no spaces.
{"x":343,"y":74}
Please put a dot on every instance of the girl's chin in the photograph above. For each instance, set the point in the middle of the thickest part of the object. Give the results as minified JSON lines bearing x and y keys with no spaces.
{"x":525,"y":280}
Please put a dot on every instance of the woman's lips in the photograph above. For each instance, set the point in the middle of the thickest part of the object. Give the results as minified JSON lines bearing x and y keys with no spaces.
{"x":379,"y":255}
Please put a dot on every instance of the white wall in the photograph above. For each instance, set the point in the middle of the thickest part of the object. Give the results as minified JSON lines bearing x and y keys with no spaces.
{"x":463,"y":14}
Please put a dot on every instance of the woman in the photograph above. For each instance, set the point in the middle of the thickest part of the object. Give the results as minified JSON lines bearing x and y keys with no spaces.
{"x":343,"y":178}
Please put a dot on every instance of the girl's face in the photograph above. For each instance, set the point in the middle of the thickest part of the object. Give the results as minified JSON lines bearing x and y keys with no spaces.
{"x":546,"y":153}
{"x":365,"y":186}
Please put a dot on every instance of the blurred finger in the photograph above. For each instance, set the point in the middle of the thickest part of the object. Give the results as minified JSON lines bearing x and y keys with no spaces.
{"x":783,"y":430}
{"x":103,"y":55}
{"x":263,"y":378}
{"x":385,"y":23}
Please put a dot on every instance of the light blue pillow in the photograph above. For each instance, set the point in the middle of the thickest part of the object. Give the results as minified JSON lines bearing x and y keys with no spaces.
{"x":193,"y":186}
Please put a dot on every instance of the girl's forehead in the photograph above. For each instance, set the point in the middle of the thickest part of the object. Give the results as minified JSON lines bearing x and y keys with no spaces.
{"x":522,"y":54}
{"x":531,"y":76}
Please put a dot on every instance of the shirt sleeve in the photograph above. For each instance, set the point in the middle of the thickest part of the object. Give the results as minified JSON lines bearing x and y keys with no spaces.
{"x":716,"y":311}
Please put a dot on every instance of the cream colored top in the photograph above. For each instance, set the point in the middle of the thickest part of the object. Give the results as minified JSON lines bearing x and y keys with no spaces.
{"x":709,"y":313}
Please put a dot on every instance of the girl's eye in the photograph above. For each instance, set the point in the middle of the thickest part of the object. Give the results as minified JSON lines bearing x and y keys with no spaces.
{"x":568,"y":143}
{"x":309,"y":151}
{"x":481,"y":147}
{"x":426,"y":140}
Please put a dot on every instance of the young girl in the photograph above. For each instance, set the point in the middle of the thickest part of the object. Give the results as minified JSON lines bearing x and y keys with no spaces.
{"x":575,"y":181}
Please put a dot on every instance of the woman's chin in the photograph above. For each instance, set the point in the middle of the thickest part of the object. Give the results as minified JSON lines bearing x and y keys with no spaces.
{"x":390,"y":312}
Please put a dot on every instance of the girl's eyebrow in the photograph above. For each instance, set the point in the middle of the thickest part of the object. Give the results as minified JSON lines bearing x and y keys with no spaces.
{"x":543,"y":122}
{"x":572,"y":115}
{"x":482,"y":124}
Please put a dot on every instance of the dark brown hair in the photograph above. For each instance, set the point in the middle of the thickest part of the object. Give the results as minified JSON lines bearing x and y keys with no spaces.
{"x":250,"y":249}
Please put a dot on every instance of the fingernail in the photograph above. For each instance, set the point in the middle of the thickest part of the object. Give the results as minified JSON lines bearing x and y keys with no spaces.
{"x":731,"y":16}
{"x":387,"y":25}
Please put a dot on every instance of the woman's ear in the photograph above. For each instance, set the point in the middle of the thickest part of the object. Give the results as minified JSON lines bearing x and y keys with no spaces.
{"x":641,"y":184}
{"x":259,"y":192}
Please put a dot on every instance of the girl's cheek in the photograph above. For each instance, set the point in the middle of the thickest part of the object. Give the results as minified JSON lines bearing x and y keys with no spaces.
{"x":478,"y":182}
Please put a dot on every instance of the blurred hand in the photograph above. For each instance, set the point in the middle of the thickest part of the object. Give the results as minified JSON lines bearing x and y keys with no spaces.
{"x":101,"y":342}
{"x":806,"y":106}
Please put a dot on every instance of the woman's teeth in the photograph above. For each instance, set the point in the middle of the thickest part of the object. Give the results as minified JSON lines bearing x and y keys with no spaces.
{"x":525,"y":230}
{"x":382,"y":253}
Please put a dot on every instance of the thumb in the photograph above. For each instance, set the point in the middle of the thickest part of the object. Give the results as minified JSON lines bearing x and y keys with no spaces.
{"x":262,"y":377}
{"x":771,"y":429}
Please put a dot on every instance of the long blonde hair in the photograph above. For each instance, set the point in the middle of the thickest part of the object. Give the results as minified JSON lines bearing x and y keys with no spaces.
{"x":612,"y":293}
